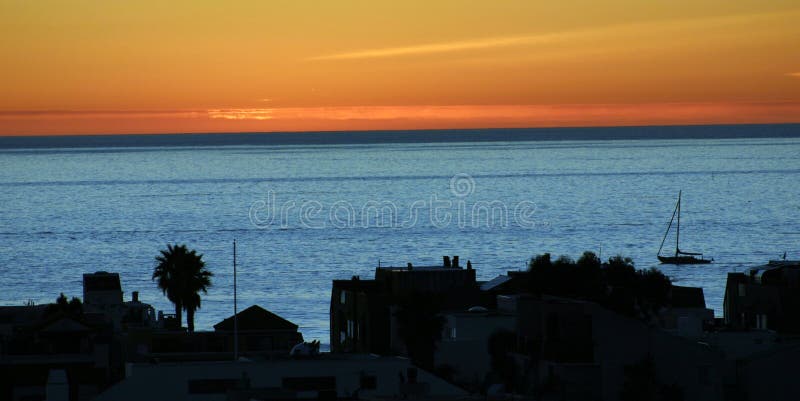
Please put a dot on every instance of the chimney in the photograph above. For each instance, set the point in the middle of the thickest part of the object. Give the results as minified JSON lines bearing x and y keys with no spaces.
{"x":410,"y":266}
{"x":135,"y":296}
{"x":469,"y":265}
{"x":455,"y":262}
{"x":446,"y":261}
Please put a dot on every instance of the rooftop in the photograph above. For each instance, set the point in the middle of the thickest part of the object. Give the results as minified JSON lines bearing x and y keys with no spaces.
{"x":413,"y":268}
{"x":495,"y":282}
{"x":101,"y":281}
{"x":256,"y":318}
{"x":687,"y":297}
{"x":21,"y":314}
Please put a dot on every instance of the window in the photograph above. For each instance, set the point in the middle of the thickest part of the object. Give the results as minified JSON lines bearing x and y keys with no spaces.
{"x":343,"y":297}
{"x":761,"y":321}
{"x":742,"y":291}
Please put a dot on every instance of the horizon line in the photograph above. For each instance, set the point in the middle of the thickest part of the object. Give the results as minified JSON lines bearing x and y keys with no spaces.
{"x":396,"y":130}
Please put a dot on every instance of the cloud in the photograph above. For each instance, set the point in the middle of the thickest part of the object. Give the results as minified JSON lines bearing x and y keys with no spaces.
{"x":57,"y":113}
{"x":445,"y":47}
{"x":794,"y":74}
{"x":533,"y":114}
{"x":241,"y":114}
{"x":672,"y":27}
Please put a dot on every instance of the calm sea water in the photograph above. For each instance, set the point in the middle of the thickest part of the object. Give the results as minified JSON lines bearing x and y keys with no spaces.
{"x":305,"y":215}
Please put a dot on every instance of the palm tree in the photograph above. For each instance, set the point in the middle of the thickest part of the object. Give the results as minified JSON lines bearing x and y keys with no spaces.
{"x":181,"y":275}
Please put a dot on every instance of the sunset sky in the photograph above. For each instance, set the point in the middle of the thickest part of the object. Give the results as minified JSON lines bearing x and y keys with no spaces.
{"x":91,"y":67}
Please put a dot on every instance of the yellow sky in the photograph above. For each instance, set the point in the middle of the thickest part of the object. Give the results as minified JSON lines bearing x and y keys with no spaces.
{"x":73,"y":67}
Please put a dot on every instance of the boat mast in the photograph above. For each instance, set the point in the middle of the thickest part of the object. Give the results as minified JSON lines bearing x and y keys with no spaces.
{"x":678,"y":233}
{"x":674,"y":211}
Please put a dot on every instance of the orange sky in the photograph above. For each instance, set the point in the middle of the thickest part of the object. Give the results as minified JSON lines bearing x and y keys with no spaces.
{"x":90,"y":67}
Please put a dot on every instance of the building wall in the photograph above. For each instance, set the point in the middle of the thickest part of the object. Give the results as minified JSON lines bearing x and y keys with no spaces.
{"x":687,"y":322}
{"x":464,"y":344}
{"x":616,"y":341}
{"x":764,"y":298}
{"x":434,"y":280}
{"x":171,"y":381}
{"x":359,"y":321}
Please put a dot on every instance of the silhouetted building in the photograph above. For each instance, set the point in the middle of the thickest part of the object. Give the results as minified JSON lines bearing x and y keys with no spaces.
{"x":464,"y":347}
{"x":326,"y":377}
{"x":687,"y":315}
{"x":102,"y":295}
{"x":101,"y":289}
{"x":261,"y":330}
{"x":46,"y":348}
{"x":362,"y":311}
{"x":579,"y":350}
{"x":261,"y":334}
{"x":764,"y":297}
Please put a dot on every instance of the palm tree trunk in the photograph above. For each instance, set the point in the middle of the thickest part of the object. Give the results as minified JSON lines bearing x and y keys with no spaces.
{"x":190,"y":319}
{"x":179,"y":313}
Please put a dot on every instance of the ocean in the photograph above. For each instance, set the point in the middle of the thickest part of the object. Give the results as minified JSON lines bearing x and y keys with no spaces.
{"x":305,"y":212}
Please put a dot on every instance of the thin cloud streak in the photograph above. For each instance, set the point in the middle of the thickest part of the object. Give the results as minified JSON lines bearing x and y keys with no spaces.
{"x":55,"y":113}
{"x":445,"y":47}
{"x":241,"y":114}
{"x":794,"y":74}
{"x":549,"y":38}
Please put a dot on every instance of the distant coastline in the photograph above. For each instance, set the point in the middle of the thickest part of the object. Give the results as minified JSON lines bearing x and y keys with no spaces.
{"x":411,"y":136}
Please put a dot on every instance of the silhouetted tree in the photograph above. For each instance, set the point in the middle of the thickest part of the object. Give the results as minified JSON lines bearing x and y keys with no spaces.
{"x":540,"y":262}
{"x":622,"y":281}
{"x":181,"y":275}
{"x":616,"y":284}
{"x":653,"y":291}
{"x":73,"y":307}
{"x":620,"y":271}
{"x":589,"y":269}
{"x":589,"y":261}
{"x":62,"y":301}
{"x":420,"y":326}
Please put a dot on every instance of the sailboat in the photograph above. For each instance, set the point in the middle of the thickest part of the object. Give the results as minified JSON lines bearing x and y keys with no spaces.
{"x":680,"y":257}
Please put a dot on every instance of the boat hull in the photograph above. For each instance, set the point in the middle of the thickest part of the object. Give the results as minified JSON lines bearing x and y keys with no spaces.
{"x":682,"y":260}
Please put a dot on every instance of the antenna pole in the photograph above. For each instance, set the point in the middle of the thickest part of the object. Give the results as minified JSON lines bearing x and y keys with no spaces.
{"x":235,"y":310}
{"x":678,"y":232}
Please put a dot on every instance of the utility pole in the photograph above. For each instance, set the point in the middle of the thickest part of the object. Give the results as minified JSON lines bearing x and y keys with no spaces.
{"x":235,"y":310}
